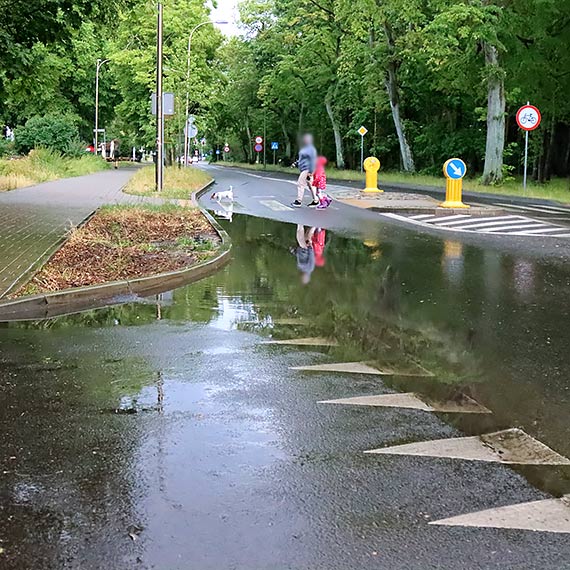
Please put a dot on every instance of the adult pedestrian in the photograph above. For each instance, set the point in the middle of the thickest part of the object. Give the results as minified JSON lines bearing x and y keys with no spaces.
{"x":307,"y":163}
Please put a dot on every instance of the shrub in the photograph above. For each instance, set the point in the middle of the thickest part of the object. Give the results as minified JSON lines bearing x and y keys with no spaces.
{"x":6,"y":147}
{"x":55,"y":132}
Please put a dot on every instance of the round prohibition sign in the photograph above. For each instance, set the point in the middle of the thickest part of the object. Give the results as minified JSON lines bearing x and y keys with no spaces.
{"x":528,"y":117}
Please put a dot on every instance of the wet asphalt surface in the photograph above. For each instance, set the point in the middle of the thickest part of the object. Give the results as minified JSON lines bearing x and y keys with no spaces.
{"x":165,"y":435}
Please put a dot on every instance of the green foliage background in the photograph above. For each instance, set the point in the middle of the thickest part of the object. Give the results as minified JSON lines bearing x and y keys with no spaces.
{"x":315,"y":65}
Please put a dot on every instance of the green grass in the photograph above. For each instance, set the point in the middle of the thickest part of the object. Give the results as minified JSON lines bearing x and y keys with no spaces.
{"x":178,"y":182}
{"x":44,"y":165}
{"x":556,"y":189}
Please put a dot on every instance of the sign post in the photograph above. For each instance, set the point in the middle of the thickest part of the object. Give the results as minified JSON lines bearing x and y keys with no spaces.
{"x":274,"y":147}
{"x":362,"y":131}
{"x":454,"y":170}
{"x":528,"y":119}
{"x":258,"y":146}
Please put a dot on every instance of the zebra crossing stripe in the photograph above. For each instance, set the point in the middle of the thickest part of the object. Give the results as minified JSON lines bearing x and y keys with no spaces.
{"x":478,"y":221}
{"x":526,"y":227}
{"x":501,"y":223}
{"x":445,"y":219}
{"x":421,"y":216}
{"x":546,"y":230}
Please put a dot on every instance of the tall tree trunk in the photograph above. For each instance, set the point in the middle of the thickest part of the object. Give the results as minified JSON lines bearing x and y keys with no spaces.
{"x":493,"y":169}
{"x":336,"y":129}
{"x":549,"y":149}
{"x":300,"y":124}
{"x":249,"y":139}
{"x":287,"y":139}
{"x":392,"y":88}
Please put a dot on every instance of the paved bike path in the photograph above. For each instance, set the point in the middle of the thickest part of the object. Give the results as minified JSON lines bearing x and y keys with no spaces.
{"x":33,"y":220}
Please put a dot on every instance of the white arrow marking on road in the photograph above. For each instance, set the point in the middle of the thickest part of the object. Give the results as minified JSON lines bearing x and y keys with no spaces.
{"x":549,"y":515}
{"x":512,"y":446}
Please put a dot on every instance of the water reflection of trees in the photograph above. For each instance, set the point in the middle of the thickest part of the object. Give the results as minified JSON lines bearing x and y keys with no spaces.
{"x":65,"y":451}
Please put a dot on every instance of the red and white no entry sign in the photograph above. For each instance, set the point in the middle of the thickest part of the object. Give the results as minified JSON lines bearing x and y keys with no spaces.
{"x":258,"y":140}
{"x":258,"y":147}
{"x":528,"y":117}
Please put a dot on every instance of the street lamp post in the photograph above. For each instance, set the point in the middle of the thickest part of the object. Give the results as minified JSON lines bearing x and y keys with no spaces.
{"x":159,"y":104}
{"x":186,"y":137}
{"x":100,"y":62}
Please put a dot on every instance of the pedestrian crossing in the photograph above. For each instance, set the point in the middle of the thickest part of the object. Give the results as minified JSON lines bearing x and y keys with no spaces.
{"x":510,"y":224}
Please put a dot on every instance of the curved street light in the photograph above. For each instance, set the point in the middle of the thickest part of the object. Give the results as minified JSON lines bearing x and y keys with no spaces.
{"x":100,"y":63}
{"x":186,"y":137}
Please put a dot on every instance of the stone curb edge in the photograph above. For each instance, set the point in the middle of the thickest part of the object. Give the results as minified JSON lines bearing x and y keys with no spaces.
{"x":69,"y":301}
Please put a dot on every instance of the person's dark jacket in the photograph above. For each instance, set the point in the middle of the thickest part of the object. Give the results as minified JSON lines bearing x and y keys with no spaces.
{"x":308,"y":158}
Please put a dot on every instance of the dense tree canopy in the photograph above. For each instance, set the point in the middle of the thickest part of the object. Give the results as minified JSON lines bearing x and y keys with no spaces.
{"x":428,"y":78}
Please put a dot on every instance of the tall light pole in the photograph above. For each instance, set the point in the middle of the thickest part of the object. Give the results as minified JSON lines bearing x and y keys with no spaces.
{"x":100,"y":62}
{"x":186,"y":137}
{"x":159,"y":179}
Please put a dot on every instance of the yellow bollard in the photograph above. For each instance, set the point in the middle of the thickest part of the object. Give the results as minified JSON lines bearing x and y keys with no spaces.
{"x":454,"y":170}
{"x":372,"y":166}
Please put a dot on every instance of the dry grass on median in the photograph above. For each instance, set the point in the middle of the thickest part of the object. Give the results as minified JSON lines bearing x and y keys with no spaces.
{"x":126,"y":242}
{"x":178,"y":182}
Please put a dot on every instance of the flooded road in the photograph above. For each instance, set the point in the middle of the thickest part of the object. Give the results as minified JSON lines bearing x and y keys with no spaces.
{"x":166,"y":435}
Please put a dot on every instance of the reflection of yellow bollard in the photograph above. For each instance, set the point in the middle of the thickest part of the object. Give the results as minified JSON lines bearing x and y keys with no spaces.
{"x":454,"y":170}
{"x":372,"y":166}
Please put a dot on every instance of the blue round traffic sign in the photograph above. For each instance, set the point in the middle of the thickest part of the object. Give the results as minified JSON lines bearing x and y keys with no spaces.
{"x":455,"y":168}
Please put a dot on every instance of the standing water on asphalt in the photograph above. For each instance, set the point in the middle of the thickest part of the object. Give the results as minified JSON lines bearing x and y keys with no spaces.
{"x":166,"y":434}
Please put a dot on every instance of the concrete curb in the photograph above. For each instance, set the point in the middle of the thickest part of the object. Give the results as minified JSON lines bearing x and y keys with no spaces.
{"x":70,"y":301}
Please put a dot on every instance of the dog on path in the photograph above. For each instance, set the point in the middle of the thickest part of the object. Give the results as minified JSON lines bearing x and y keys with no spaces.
{"x":227,"y":196}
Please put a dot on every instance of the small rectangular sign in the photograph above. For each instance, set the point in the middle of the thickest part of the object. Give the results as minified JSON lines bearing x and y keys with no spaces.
{"x":274,"y":146}
{"x":167,"y":104}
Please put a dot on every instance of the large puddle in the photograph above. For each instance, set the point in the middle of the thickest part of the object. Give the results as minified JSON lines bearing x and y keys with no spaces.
{"x":487,"y":325}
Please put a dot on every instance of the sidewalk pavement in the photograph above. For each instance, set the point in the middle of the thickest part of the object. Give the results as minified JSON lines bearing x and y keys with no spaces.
{"x":34,"y":220}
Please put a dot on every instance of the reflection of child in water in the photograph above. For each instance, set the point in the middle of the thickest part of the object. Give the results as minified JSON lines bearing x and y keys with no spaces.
{"x":318,"y":241}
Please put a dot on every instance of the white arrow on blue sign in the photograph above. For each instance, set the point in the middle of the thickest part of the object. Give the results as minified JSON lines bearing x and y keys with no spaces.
{"x":455,"y":168}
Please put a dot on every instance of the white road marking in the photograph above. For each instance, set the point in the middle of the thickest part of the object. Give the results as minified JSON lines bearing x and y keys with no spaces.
{"x":420,"y":216}
{"x":528,"y":225}
{"x":447,"y":218}
{"x":541,"y":206}
{"x":444,"y":221}
{"x":511,"y":446}
{"x":275,"y":206}
{"x":547,"y":515}
{"x":546,"y":230}
{"x":497,"y":225}
{"x":473,"y":223}
{"x":556,"y":209}
{"x":312,"y":341}
{"x":413,"y":401}
{"x":526,"y":208}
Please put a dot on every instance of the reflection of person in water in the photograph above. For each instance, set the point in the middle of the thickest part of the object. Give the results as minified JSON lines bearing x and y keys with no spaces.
{"x":305,"y":253}
{"x":319,"y":240}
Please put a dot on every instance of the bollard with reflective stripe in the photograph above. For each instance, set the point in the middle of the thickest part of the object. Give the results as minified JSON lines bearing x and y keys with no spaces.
{"x":372,"y":166}
{"x":454,"y":170}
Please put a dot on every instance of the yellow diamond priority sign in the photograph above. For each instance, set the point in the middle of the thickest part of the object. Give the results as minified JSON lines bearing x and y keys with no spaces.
{"x":362,"y":131}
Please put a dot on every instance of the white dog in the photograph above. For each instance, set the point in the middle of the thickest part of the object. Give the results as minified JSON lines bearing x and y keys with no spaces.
{"x":227,"y":196}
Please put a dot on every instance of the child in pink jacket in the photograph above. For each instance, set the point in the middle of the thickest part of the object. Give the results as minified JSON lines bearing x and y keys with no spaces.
{"x":319,"y":183}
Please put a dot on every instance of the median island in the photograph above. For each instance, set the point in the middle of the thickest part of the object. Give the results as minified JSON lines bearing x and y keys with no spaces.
{"x":127,"y":242}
